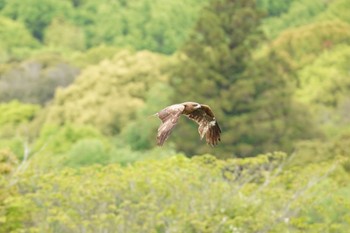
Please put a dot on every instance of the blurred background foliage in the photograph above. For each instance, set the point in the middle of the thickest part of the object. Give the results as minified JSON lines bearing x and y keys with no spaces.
{"x":80,"y":81}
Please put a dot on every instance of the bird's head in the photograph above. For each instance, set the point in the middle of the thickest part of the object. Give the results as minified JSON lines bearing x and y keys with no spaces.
{"x":191,"y":106}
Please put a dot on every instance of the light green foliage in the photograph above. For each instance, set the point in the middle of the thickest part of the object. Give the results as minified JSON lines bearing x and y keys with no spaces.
{"x":87,"y":152}
{"x":318,"y":151}
{"x":62,"y":34}
{"x":140,"y":134}
{"x":108,"y":95}
{"x":15,"y":144}
{"x":8,"y":215}
{"x":15,"y":113}
{"x":157,"y":25}
{"x":73,"y":146}
{"x":300,"y":12}
{"x":274,"y":8}
{"x":339,"y":10}
{"x":304,"y":44}
{"x":58,"y":139}
{"x":126,"y":154}
{"x":2,"y":3}
{"x":76,"y":146}
{"x":8,"y":162}
{"x":318,"y":54}
{"x":15,"y":40}
{"x":324,"y":86}
{"x":94,"y":55}
{"x":16,"y":126}
{"x":178,"y":194}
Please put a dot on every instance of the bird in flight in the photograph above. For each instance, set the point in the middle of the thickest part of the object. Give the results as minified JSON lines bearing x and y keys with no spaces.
{"x":200,"y":113}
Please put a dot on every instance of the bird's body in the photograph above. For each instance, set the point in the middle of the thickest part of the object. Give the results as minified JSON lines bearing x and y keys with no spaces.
{"x":200,"y":113}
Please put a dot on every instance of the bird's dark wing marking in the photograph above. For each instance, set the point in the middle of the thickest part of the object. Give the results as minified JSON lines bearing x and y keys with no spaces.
{"x":208,"y":125}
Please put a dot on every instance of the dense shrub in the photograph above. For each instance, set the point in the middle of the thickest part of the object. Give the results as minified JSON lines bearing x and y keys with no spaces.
{"x":108,"y":95}
{"x":15,"y":113}
{"x":184,"y":195}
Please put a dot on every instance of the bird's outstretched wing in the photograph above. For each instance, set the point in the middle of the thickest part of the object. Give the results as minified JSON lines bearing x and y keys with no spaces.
{"x":208,"y":125}
{"x":169,"y":117}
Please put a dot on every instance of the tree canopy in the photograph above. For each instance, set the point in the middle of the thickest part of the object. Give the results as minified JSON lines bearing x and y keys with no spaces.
{"x":109,"y":94}
{"x":219,"y":63}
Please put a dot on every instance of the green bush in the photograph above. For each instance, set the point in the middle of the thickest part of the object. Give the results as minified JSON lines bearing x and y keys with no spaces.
{"x":59,"y":139}
{"x":179,"y":194}
{"x":94,"y":55}
{"x":15,"y":40}
{"x":324,"y":86}
{"x":15,"y":113}
{"x":13,"y":144}
{"x":299,"y":13}
{"x":87,"y":152}
{"x":62,"y":34}
{"x":108,"y":95}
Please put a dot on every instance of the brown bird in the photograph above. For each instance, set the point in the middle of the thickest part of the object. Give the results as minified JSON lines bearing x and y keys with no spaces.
{"x":199,"y":113}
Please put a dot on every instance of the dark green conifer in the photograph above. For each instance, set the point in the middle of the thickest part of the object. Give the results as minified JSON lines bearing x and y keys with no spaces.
{"x":250,"y":96}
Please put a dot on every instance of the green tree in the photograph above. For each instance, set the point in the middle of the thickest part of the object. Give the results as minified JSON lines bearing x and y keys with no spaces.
{"x":86,"y":152}
{"x":302,"y":45}
{"x":63,"y":34}
{"x":337,"y":10}
{"x":300,"y":12}
{"x":156,"y":25}
{"x":60,"y":139}
{"x":8,"y":163}
{"x":274,"y":8}
{"x":94,"y":55}
{"x":261,"y":113}
{"x":15,"y":40}
{"x":108,"y":95}
{"x":324,"y":86}
{"x":140,"y":134}
{"x":10,"y":217}
{"x":2,"y":4}
{"x":250,"y":96}
{"x":37,"y":14}
{"x":15,"y":113}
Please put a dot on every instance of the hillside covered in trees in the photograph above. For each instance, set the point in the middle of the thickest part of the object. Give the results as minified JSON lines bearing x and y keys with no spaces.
{"x":81,"y":79}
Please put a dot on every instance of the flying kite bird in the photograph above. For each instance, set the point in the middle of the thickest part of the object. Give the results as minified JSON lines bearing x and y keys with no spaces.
{"x":199,"y":113}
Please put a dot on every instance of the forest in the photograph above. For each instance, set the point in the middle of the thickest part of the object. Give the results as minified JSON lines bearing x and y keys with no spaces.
{"x":80,"y":81}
